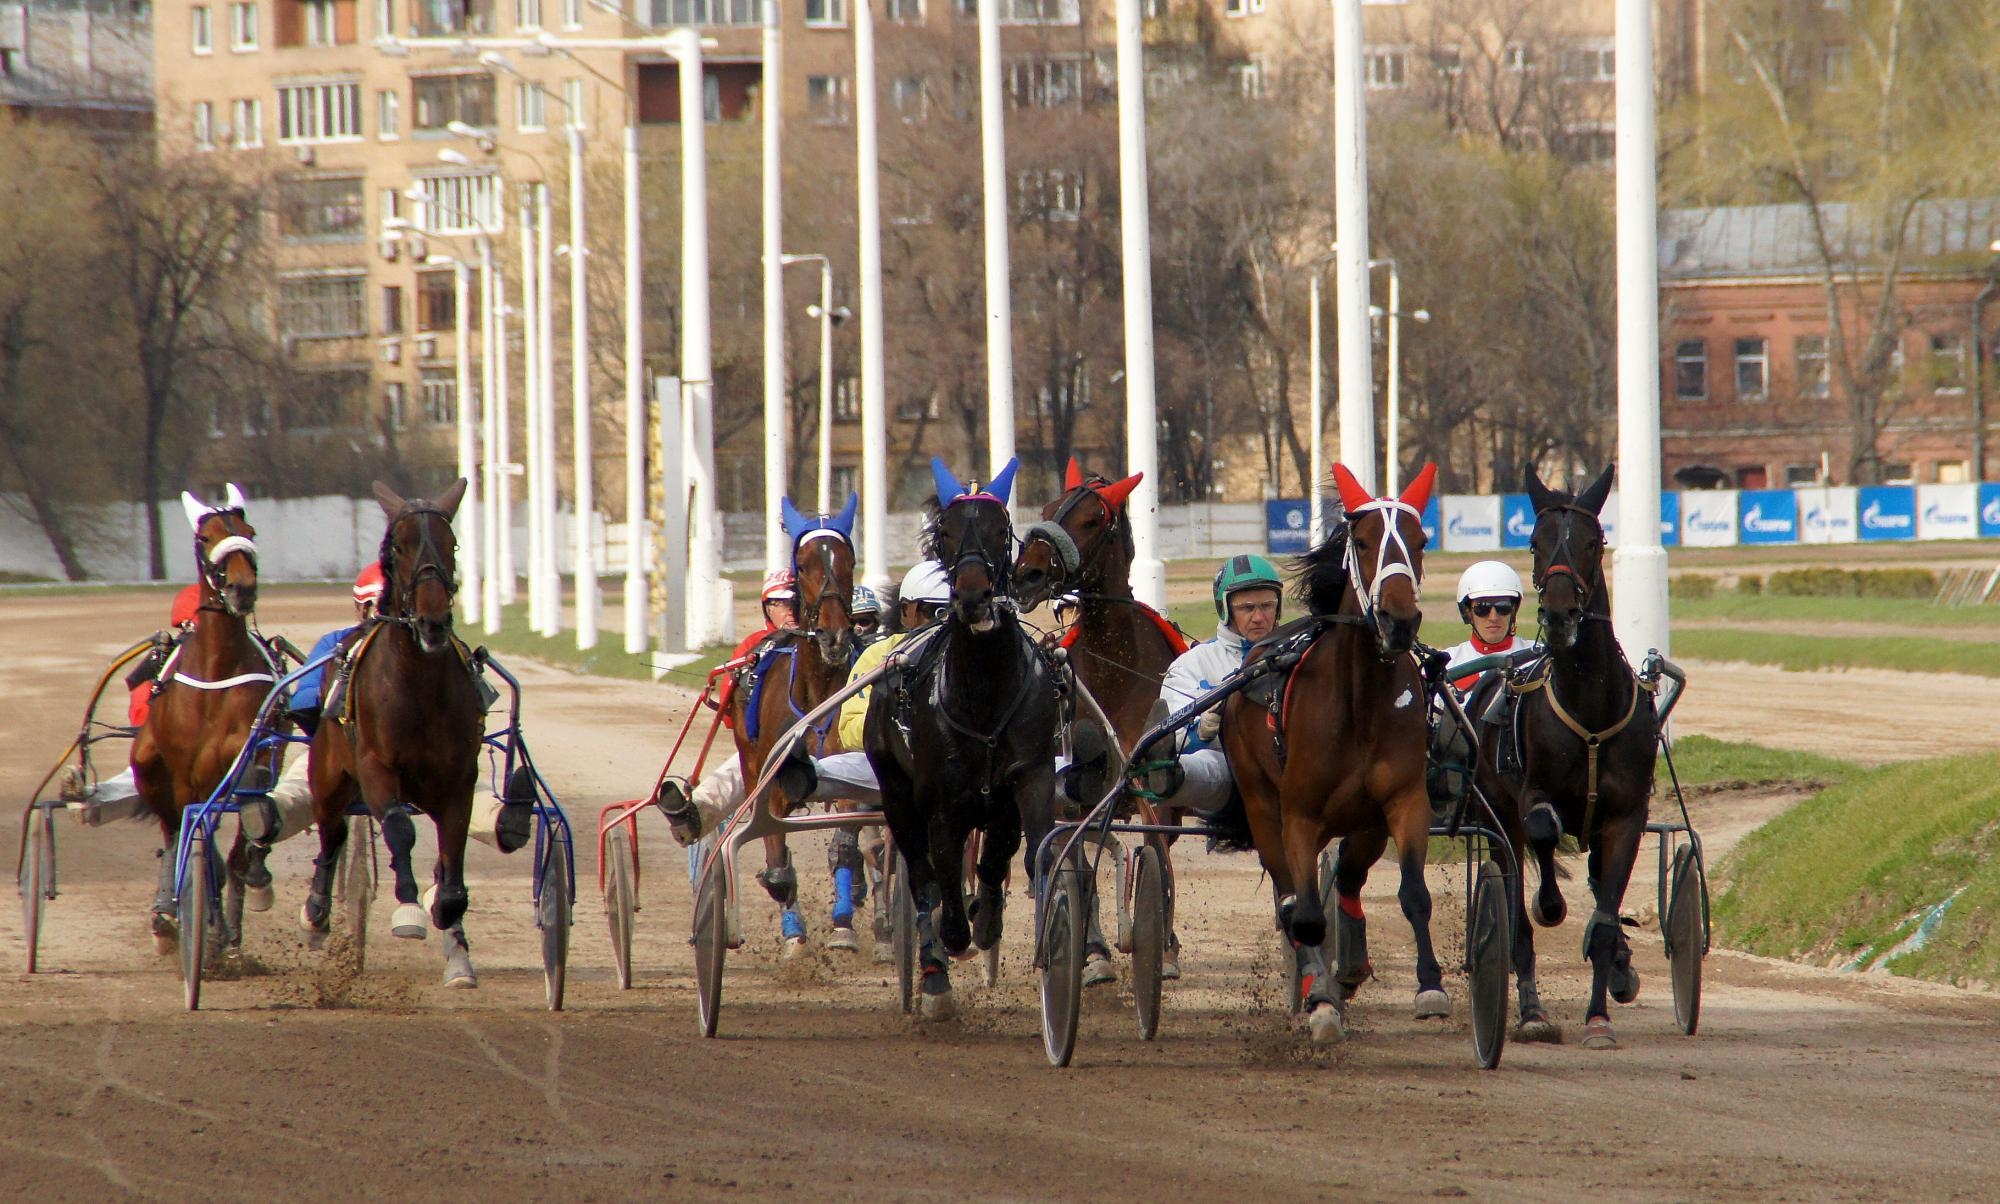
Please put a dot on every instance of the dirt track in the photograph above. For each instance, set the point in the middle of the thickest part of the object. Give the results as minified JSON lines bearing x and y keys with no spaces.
{"x":1802,"y":1084}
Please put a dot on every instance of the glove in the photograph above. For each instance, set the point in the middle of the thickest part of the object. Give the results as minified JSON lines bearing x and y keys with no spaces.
{"x":1209,"y":726}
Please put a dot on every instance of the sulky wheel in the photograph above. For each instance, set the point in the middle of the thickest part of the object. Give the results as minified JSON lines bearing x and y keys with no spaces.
{"x":1149,"y":936}
{"x":903,"y":930}
{"x":552,"y":915}
{"x":1489,"y":946}
{"x":1062,"y":959}
{"x":355,"y":884}
{"x":38,"y":879}
{"x":711,"y":940}
{"x":1686,"y":936}
{"x":195,"y":910}
{"x":621,"y":898}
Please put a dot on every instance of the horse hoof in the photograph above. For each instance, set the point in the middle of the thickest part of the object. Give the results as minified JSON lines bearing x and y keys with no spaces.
{"x":459,"y":976}
{"x":1624,"y":983}
{"x":1170,"y":967}
{"x":942,"y":1006}
{"x":166,"y":936}
{"x":1433,"y":1005}
{"x":842,"y":938}
{"x":260,"y":898}
{"x":1597,"y":1034}
{"x":1538,"y":1029}
{"x":1547,"y":918}
{"x":1325,"y":1025}
{"x":884,"y":953}
{"x":1098,"y":970}
{"x":795,"y":946}
{"x":409,"y":922}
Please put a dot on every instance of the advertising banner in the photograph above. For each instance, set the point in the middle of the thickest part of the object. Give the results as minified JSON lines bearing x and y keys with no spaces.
{"x":1517,"y":520}
{"x":1827,"y":514}
{"x":1769,"y":516}
{"x":1948,"y":511}
{"x":1708,"y":518}
{"x":1887,"y":512}
{"x":1285,"y":530}
{"x":1432,"y":520}
{"x":1989,"y":510}
{"x":1471,"y":524}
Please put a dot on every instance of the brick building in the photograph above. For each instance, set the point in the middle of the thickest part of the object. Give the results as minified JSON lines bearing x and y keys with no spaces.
{"x":86,"y":63}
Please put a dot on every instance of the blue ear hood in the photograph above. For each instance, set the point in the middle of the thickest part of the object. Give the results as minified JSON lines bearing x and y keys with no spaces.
{"x":796,"y":524}
{"x":947,"y":484}
{"x":1003,"y":481}
{"x":844,"y":521}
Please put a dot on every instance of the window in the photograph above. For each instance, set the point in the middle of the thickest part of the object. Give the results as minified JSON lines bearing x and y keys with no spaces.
{"x":442,"y":18}
{"x":1809,"y":363}
{"x":329,"y":112}
{"x":215,"y":427}
{"x":242,"y":27}
{"x":573,"y":102}
{"x":668,"y":13}
{"x":916,"y":409}
{"x":1691,"y":370}
{"x":459,"y":204}
{"x":388,"y":116}
{"x":1044,"y":83}
{"x":528,"y":14}
{"x":246,"y":122}
{"x":907,"y":95}
{"x":1797,"y":475}
{"x":1447,"y":61}
{"x":1592,"y":61}
{"x":846,"y":480}
{"x":392,"y":310}
{"x":530,"y":107}
{"x":1385,"y":68}
{"x":1947,"y":363}
{"x":322,"y":307}
{"x":395,"y":406}
{"x":907,"y":12}
{"x":1248,"y":79}
{"x":1242,"y":8}
{"x":256,"y":416}
{"x":322,"y":23}
{"x":1836,"y":65}
{"x":437,"y":300}
{"x":1517,"y":57}
{"x":437,"y":395}
{"x":1051,"y":12}
{"x":204,"y":125}
{"x":826,"y":99}
{"x":1753,"y":369}
{"x":321,"y":209}
{"x":825,"y":13}
{"x":847,"y":399}
{"x":204,"y":33}
{"x":440,"y":100}
{"x":1904,"y":473}
{"x":385,"y":18}
{"x":1056,"y":196}
{"x":572,"y":14}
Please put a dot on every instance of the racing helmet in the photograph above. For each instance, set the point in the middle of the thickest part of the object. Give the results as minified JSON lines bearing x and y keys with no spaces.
{"x":1241,"y":573}
{"x":778,"y":587}
{"x":368,"y":586}
{"x":864,"y":602}
{"x":924,"y":583}
{"x":1486,"y":579}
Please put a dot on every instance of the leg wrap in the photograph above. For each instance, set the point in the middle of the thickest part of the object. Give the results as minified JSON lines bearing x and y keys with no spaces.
{"x":781,"y":882}
{"x":1600,"y":920}
{"x":843,"y":852}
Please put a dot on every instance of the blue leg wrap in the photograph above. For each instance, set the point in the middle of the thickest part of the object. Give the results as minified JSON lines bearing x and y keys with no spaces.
{"x":843,"y":897}
{"x":792,"y":926}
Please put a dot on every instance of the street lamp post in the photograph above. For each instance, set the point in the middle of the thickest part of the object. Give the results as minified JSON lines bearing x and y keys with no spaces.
{"x":584,"y":558}
{"x":829,"y":317}
{"x":999,"y":288}
{"x":530,"y":389}
{"x":874,"y":400}
{"x":1142,"y":427}
{"x":1350,"y":183}
{"x":1395,"y":316}
{"x":771,"y":93}
{"x":707,"y":612}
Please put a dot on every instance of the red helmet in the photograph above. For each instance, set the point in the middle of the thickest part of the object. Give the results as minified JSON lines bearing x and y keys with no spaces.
{"x":368,"y":586}
{"x":186,"y":605}
{"x":778,"y":586}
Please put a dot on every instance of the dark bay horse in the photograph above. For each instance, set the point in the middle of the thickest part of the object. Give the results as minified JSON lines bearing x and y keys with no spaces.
{"x":965,"y":741}
{"x":1119,"y":647}
{"x":206,"y":707}
{"x":802,"y":669}
{"x":405,"y":731}
{"x":1354,"y":736}
{"x":1588,"y":737}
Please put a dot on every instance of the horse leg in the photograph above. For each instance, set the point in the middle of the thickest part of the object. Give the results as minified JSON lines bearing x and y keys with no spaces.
{"x":1412,"y":817}
{"x":1353,"y":857}
{"x":156,"y":788}
{"x":1604,"y":942}
{"x":843,"y":861}
{"x":238,"y":864}
{"x":1543,"y":828}
{"x":1305,"y":923}
{"x":781,"y":880}
{"x":936,"y":1002}
{"x":1534,"y":1024}
{"x":996,"y":850}
{"x":1170,"y":957}
{"x":166,"y":921}
{"x":450,"y":898}
{"x":316,"y":913}
{"x":399,"y":835}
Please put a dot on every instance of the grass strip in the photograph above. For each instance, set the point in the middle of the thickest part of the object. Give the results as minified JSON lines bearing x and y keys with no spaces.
{"x":1912,"y":654}
{"x":608,"y":659}
{"x":1706,"y":761}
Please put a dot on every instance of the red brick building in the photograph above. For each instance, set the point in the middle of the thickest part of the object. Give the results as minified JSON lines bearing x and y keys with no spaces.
{"x":1749,"y":396}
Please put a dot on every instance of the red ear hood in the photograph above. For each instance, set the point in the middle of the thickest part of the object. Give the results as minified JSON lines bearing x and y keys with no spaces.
{"x":1418,"y":494}
{"x":1114,"y":494}
{"x":1074,"y":477}
{"x":1352,"y":496}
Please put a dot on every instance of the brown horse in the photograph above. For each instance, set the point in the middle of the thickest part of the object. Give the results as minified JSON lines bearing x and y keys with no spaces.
{"x":801,"y":669}
{"x":1353,"y":719}
{"x":209,"y":696}
{"x":405,"y":730}
{"x":1588,"y":735}
{"x":1119,"y":647}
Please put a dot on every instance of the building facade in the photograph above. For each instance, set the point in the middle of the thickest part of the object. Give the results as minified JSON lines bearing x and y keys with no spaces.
{"x":87,"y":63}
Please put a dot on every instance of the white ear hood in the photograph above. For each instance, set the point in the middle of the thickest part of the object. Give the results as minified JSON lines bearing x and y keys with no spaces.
{"x":196,"y":509}
{"x":235,"y":497}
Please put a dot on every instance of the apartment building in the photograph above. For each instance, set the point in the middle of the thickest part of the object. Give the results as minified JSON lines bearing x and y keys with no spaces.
{"x":87,"y":63}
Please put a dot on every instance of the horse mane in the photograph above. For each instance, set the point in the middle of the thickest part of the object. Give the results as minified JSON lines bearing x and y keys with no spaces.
{"x":1322,"y":571}
{"x":930,"y":536}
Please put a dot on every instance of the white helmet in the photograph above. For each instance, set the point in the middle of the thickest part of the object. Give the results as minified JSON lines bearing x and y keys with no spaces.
{"x":1488,"y":579}
{"x":924,"y":583}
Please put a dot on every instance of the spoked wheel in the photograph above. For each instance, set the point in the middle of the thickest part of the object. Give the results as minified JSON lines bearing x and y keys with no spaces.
{"x":1687,"y":936}
{"x":1489,"y":946}
{"x":355,"y":885}
{"x":1062,"y":960}
{"x":553,"y":915}
{"x":1149,"y":937}
{"x":38,"y":880}
{"x":903,"y":931}
{"x":621,"y":898}
{"x":195,"y":911}
{"x":711,"y":941}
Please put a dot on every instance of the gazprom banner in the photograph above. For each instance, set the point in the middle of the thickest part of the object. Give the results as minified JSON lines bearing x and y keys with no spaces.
{"x":1769,"y":516}
{"x":1989,"y":510}
{"x":1670,"y":519}
{"x":1517,"y":520}
{"x":1887,"y":512}
{"x":1472,"y":523}
{"x":1947,"y":511}
{"x":1286,"y":532}
{"x":1708,"y":518}
{"x":1433,"y":524}
{"x":1828,"y":514}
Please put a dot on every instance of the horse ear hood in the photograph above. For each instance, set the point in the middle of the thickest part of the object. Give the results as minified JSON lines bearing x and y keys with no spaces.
{"x":448,"y":500}
{"x":947,"y":484}
{"x":1352,"y":496}
{"x":1593,"y":498}
{"x":1074,"y":476}
{"x":1540,"y":496}
{"x":1418,"y":494}
{"x":1117,"y":492}
{"x":235,"y":496}
{"x":195,"y":508}
{"x":844,"y":521}
{"x":391,"y":502}
{"x":1003,"y":481}
{"x":794,"y":523}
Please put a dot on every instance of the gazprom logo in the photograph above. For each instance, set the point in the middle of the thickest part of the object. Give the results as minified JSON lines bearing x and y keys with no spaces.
{"x":1754,"y":520}
{"x":1701,"y":521}
{"x":1520,"y":525}
{"x":1873,"y":519}
{"x":1990,"y":513}
{"x":1938,"y":516}
{"x":1463,"y":526}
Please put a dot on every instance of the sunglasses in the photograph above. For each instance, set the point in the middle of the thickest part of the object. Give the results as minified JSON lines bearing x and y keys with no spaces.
{"x":1484,"y":609}
{"x":868,"y":622}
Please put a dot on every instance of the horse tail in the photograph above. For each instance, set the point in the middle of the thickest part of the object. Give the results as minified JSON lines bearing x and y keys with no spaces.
{"x":1322,"y":572}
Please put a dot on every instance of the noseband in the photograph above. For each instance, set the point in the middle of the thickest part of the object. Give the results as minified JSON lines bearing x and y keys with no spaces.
{"x":1052,"y":532}
{"x":1561,"y":557}
{"x":209,"y":561}
{"x":429,"y":565}
{"x":1391,"y":511}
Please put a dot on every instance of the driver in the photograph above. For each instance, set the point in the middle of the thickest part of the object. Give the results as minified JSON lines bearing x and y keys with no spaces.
{"x":1489,"y":601}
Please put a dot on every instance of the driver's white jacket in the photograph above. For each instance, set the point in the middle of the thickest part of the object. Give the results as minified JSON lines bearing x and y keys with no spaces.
{"x":1199,"y":670}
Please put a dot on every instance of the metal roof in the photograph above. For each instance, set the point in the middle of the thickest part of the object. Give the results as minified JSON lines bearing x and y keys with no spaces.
{"x":1777,"y":240}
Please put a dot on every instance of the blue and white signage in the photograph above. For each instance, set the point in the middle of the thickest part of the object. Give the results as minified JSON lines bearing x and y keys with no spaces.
{"x":1517,"y":520}
{"x":1471,"y":523}
{"x":1989,"y":510}
{"x":1887,"y":512}
{"x":1769,"y":516}
{"x":1828,"y":514}
{"x":1708,"y":518}
{"x":1286,"y":531}
{"x":1948,"y":511}
{"x":1670,"y":519}
{"x":1432,"y":520}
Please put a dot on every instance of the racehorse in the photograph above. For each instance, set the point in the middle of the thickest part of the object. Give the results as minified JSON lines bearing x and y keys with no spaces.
{"x":405,"y":730}
{"x":1587,"y":736}
{"x":1343,"y":753}
{"x":965,"y":738}
{"x":1119,"y":647}
{"x":795,"y":671}
{"x":210,"y":692}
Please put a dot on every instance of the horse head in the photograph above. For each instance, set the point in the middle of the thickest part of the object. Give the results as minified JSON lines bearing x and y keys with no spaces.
{"x":967,"y":529}
{"x":1568,"y":546}
{"x":1080,"y":540}
{"x":1385,"y":556}
{"x":823,"y":567}
{"x":225,"y":550}
{"x":419,"y":552}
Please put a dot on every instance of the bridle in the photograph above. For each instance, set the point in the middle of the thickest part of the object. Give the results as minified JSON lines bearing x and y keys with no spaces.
{"x":823,"y":539}
{"x":1562,"y":556}
{"x":429,"y":565}
{"x":1391,"y":511}
{"x":1069,"y":557}
{"x":999,"y":573}
{"x":209,"y":561}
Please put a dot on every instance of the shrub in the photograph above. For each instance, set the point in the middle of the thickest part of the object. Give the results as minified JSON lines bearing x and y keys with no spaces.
{"x":1897,"y":583}
{"x":1849,"y":583}
{"x":1750,"y":584}
{"x":1691,"y":586}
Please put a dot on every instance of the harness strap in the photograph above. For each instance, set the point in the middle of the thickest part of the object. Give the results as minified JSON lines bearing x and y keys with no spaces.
{"x":1592,"y":741}
{"x":227,"y":683}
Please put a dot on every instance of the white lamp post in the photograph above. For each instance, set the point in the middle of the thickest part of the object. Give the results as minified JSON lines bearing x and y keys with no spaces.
{"x":530,"y":390}
{"x":999,"y":294}
{"x":874,"y":403}
{"x":829,"y":317}
{"x":708,"y":620}
{"x":1395,"y":315}
{"x":771,"y":97}
{"x":1350,"y":186}
{"x":1142,"y":428}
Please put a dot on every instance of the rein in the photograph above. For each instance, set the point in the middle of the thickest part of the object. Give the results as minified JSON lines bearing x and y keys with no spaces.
{"x":990,"y":740}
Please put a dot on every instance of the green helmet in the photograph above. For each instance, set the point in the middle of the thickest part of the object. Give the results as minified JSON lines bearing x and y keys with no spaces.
{"x":1241,"y":573}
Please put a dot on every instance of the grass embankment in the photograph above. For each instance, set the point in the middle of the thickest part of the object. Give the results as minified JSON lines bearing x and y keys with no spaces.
{"x":1910,"y":654}
{"x":1892,"y":868}
{"x":1706,"y":761}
